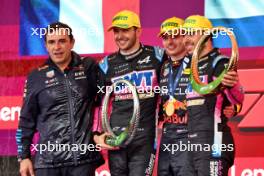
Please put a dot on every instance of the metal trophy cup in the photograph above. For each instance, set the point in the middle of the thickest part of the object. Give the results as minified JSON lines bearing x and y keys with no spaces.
{"x":128,"y":134}
{"x":197,"y":84}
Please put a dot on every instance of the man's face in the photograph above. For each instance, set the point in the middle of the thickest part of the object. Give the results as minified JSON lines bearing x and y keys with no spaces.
{"x":126,"y":39}
{"x":59,"y":46}
{"x":173,"y":44}
{"x":191,"y":40}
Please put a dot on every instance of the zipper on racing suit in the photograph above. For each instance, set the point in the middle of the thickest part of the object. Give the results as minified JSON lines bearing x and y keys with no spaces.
{"x":68,"y":85}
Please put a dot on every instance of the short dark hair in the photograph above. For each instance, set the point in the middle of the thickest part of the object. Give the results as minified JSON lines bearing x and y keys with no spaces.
{"x":58,"y":25}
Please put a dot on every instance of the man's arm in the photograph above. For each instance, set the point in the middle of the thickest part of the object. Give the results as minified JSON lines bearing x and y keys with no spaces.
{"x":91,"y":73}
{"x":100,"y":92}
{"x":234,"y":90}
{"x":98,"y":135}
{"x":27,"y":128}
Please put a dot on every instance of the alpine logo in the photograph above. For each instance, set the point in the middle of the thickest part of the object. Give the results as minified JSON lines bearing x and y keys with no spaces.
{"x":145,"y":60}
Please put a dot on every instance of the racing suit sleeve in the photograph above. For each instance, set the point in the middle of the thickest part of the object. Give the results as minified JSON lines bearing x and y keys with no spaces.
{"x":101,"y":83}
{"x":27,"y":122}
{"x":234,"y":94}
{"x":92,"y":79}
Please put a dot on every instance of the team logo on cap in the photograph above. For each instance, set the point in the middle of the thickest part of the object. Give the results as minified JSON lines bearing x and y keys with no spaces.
{"x":192,"y":21}
{"x":120,"y":18}
{"x":169,"y":24}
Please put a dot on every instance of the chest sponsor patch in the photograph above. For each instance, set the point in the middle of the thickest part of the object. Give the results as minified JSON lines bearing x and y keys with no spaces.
{"x":195,"y":102}
{"x":50,"y":74}
{"x":144,"y":81}
{"x":79,"y":75}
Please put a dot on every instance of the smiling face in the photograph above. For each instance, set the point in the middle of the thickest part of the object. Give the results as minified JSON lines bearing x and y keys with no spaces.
{"x":127,"y":40}
{"x":59,"y":46}
{"x":191,"y":40}
{"x":173,"y":45}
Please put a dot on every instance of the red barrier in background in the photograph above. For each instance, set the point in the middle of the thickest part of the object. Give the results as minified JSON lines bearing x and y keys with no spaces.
{"x":9,"y":112}
{"x":251,"y":80}
{"x":247,"y":127}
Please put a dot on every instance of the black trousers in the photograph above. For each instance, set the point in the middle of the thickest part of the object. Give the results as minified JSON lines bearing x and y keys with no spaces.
{"x":203,"y":163}
{"x":172,"y":158}
{"x":80,"y":170}
{"x":137,"y":159}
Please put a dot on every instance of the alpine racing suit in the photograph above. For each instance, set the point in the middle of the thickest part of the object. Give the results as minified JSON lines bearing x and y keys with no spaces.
{"x":171,"y":160}
{"x":211,"y":141}
{"x":59,"y":105}
{"x":142,"y":69}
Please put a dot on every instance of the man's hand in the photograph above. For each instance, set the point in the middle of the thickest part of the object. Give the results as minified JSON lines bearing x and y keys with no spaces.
{"x":26,"y":168}
{"x":229,"y":111}
{"x":230,"y":79}
{"x":100,"y":140}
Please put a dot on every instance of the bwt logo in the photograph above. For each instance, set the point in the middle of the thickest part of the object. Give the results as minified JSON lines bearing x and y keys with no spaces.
{"x":139,"y":78}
